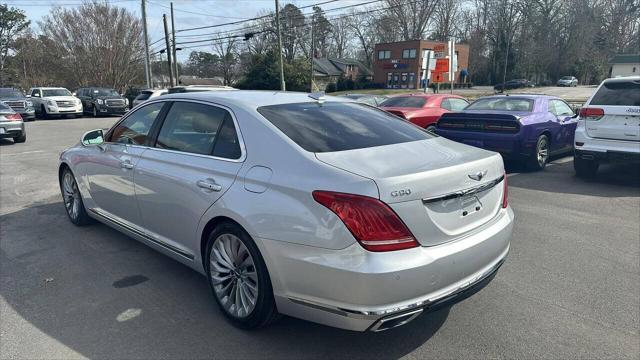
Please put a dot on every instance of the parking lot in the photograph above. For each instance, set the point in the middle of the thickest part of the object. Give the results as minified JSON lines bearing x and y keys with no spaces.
{"x":570,"y":287}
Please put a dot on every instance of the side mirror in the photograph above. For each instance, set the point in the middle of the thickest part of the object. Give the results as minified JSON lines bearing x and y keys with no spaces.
{"x":93,"y":137}
{"x":27,"y":96}
{"x":74,"y":94}
{"x":36,"y":95}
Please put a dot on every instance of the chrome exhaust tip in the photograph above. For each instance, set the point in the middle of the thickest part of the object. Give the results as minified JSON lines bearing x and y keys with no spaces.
{"x":393,"y":321}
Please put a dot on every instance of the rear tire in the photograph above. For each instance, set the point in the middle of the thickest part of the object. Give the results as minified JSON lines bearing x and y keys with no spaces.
{"x":72,"y":199}
{"x":540,"y":157}
{"x":241,"y":287}
{"x":585,"y":168}
{"x":431,"y":128}
{"x":20,"y":139}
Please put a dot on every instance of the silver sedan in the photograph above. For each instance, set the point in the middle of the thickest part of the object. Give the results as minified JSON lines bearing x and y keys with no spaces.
{"x":290,"y":203}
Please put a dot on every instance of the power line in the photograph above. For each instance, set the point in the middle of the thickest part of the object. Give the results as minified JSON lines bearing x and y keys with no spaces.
{"x":196,"y":13}
{"x":251,"y":19}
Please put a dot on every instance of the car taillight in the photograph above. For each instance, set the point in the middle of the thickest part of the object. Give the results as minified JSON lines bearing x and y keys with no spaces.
{"x":591,"y":113}
{"x":505,"y":193}
{"x":374,"y":225}
{"x":13,"y":117}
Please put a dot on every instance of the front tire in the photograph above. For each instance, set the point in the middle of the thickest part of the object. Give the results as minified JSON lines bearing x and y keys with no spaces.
{"x":72,"y":199}
{"x":43,"y":112}
{"x":238,"y":277}
{"x":585,"y":168}
{"x":20,"y":139}
{"x":540,"y":157}
{"x":94,"y":111}
{"x":431,"y":128}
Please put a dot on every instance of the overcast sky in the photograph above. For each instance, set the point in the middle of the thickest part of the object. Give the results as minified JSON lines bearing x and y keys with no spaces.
{"x":188,"y":13}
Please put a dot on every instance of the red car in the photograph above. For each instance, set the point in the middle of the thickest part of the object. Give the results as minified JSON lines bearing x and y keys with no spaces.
{"x":423,"y":110}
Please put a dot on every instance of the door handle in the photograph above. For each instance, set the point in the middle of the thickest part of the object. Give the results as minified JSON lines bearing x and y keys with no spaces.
{"x":209,"y":184}
{"x":126,"y":164}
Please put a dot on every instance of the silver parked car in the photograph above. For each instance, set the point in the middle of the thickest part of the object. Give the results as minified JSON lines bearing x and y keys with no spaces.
{"x":11,"y":124}
{"x":319,"y":208}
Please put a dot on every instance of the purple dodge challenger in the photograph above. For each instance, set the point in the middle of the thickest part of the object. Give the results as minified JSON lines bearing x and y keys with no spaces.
{"x":519,"y":127}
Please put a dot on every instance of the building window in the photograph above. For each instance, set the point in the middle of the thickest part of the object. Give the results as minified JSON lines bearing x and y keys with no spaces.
{"x":384,"y":54}
{"x":409,"y":53}
{"x":404,"y":77}
{"x":412,"y":78}
{"x":389,"y":78}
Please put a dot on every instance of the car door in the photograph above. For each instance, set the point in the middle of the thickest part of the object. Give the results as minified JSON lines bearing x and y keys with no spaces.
{"x":36,"y":99}
{"x":566,"y":121}
{"x":110,"y":171}
{"x":195,"y":159}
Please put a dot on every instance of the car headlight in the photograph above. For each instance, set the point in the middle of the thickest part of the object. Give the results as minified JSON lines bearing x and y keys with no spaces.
{"x":126,"y":101}
{"x":100,"y":101}
{"x":51,"y":103}
{"x":78,"y":102}
{"x":29,"y":104}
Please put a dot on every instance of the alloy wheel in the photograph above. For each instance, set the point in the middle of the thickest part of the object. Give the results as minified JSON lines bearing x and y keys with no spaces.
{"x":71,"y":195}
{"x":233,"y":275}
{"x":543,"y":152}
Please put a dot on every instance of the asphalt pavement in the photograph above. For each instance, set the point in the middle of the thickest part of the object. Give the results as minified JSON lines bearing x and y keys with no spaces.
{"x":570,"y":287}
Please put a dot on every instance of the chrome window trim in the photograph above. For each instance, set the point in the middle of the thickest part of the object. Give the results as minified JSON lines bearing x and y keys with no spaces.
{"x":243,"y":150}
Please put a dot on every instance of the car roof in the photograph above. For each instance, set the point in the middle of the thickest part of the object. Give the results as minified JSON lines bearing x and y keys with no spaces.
{"x":426,"y":95}
{"x":48,"y":88}
{"x":250,"y":99}
{"x":624,"y":78}
{"x":522,"y":96}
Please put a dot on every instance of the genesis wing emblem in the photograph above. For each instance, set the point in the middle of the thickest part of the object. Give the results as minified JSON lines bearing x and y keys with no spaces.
{"x":478,"y":176}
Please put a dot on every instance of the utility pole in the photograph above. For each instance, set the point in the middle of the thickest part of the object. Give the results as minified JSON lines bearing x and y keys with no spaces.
{"x":147,"y":61}
{"x":173,"y":53}
{"x":282,"y":85}
{"x":166,"y":39}
{"x":312,"y":52}
{"x":452,"y":54}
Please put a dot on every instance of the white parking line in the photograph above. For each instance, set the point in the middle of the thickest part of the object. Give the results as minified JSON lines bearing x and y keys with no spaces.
{"x":25,"y":152}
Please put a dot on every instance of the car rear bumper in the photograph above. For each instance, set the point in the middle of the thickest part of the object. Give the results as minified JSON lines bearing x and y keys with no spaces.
{"x":605,"y":150}
{"x":10,"y":129}
{"x":359,"y":290}
{"x":510,"y":146}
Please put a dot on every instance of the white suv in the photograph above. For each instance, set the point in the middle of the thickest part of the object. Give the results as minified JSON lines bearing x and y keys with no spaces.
{"x":609,"y":126}
{"x":49,"y":101}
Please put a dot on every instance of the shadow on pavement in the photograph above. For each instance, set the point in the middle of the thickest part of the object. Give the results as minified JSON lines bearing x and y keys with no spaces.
{"x":612,"y":180}
{"x":6,"y":141}
{"x":104,"y":295}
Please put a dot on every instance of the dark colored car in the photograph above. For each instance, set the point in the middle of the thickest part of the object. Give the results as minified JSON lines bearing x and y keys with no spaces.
{"x":522,"y":127}
{"x":423,"y":109}
{"x":102,"y":101}
{"x":16,"y":100}
{"x":514,"y":84}
{"x":373,"y":100}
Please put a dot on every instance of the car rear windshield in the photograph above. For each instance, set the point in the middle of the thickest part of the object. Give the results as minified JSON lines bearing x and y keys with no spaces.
{"x":620,"y":93}
{"x":405,"y":101}
{"x":55,"y":92}
{"x":144,"y":95}
{"x":503,"y":104}
{"x":338,"y":126}
{"x":4,"y":108}
{"x":10,"y":94}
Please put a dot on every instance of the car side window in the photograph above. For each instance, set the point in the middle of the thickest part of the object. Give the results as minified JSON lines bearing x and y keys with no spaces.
{"x":445,"y":104}
{"x":34,"y":92}
{"x":135,"y":128}
{"x":559,"y":108}
{"x":457,"y":104}
{"x":197,"y":128}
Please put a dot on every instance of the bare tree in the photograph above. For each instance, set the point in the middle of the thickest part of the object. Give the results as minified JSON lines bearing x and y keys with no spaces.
{"x":412,"y":16}
{"x":445,"y":19}
{"x":340,"y":37}
{"x":227,"y":51}
{"x":102,"y":44}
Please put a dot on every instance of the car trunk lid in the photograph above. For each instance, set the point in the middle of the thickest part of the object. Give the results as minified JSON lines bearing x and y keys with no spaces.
{"x":439,"y":188}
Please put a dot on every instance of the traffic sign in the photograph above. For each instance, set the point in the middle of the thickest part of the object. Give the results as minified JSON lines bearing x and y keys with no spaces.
{"x":437,"y":77}
{"x":442,"y":65}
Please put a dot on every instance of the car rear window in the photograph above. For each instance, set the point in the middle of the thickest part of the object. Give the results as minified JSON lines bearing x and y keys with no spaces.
{"x":503,"y":104}
{"x":338,"y":126}
{"x":143,"y":95}
{"x":620,"y":93}
{"x":405,"y":101}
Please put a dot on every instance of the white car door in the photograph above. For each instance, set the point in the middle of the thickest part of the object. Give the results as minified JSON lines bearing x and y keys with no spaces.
{"x":193,"y":162}
{"x":110,"y":171}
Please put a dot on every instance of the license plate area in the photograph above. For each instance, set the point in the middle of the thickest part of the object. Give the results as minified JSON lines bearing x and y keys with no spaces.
{"x":470,"y":205}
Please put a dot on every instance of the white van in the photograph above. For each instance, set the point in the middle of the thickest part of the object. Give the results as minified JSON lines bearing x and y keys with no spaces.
{"x":609,"y":126}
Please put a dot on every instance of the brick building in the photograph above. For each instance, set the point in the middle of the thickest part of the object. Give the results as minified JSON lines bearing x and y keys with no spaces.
{"x":397,"y":65}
